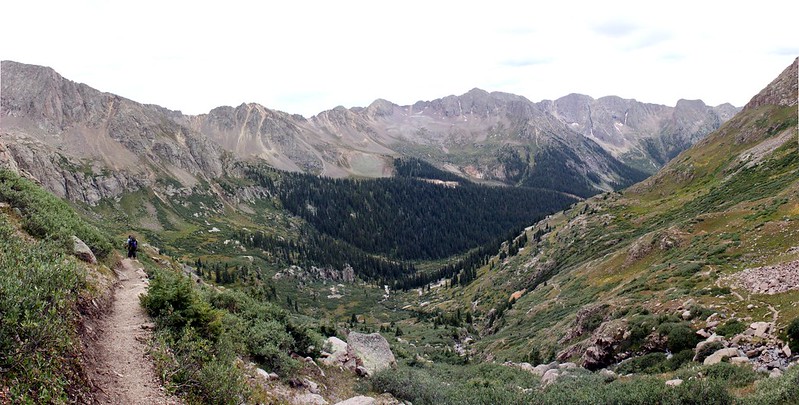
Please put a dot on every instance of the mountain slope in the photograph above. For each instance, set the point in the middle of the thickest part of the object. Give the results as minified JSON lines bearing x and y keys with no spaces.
{"x":87,"y":145}
{"x":595,"y":275}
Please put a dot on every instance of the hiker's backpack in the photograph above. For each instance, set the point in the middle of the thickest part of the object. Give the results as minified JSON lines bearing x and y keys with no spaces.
{"x":134,"y":245}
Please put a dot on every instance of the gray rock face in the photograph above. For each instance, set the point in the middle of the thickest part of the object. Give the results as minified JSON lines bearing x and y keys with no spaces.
{"x":120,"y":145}
{"x":371,"y":351}
{"x":782,"y":91}
{"x":85,"y":145}
{"x":359,"y":400}
{"x":82,"y":251}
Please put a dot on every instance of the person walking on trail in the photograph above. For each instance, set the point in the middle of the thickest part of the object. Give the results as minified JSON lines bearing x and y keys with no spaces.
{"x":132,"y":246}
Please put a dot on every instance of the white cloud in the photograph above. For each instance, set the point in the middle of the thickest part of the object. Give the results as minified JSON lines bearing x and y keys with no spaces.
{"x":308,"y":56}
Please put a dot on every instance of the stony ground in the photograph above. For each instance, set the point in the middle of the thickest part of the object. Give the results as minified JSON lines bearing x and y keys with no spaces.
{"x":124,"y":373}
{"x":769,"y":279}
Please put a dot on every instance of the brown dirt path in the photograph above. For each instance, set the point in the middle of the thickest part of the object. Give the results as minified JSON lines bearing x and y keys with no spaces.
{"x":124,"y":373}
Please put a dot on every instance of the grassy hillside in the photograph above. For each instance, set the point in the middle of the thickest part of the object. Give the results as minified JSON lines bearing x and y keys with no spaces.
{"x":725,"y":205}
{"x":44,"y":293}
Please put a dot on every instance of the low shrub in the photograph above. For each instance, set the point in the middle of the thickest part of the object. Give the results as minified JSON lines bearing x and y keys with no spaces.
{"x":793,"y":334}
{"x":731,"y":328}
{"x":39,"y":291}
{"x":781,"y":390}
{"x":731,"y":374}
{"x":651,"y":363}
{"x":679,"y":336}
{"x":45,"y":216}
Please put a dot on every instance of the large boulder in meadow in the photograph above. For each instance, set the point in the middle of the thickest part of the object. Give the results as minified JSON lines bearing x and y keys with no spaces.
{"x":371,"y":351}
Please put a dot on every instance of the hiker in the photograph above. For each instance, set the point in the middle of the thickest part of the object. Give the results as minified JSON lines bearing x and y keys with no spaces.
{"x":132,"y":246}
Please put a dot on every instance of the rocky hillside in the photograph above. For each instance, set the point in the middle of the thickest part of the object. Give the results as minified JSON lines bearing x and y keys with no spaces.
{"x":704,"y":251}
{"x":86,"y":145}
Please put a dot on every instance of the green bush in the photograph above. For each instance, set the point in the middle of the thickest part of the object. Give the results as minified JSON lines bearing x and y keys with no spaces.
{"x":793,"y":334}
{"x":651,"y":363}
{"x":39,"y":292}
{"x":707,"y":350}
{"x":731,"y":374}
{"x":45,"y":216}
{"x":731,"y":328}
{"x":174,"y":304}
{"x":679,"y":336}
{"x":781,"y":390}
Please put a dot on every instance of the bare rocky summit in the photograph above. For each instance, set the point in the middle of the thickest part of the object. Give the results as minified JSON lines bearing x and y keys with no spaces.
{"x":86,"y":145}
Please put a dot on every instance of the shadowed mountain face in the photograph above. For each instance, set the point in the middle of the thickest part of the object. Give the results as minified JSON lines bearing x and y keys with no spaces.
{"x":86,"y":145}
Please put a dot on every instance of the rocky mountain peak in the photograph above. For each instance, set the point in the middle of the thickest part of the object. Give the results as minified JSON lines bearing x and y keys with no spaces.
{"x":781,"y":91}
{"x":380,"y":108}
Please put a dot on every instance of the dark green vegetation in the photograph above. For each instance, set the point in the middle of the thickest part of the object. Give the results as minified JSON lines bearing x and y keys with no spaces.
{"x":550,"y":172}
{"x":406,"y":218}
{"x":41,"y":289}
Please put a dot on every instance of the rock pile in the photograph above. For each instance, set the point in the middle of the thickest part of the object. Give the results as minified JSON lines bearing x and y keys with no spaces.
{"x":769,"y":279}
{"x":756,"y":346}
{"x":551,"y":372}
{"x":346,"y":275}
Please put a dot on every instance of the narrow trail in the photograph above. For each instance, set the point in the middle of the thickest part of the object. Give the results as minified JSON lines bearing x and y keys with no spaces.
{"x":125,"y":373}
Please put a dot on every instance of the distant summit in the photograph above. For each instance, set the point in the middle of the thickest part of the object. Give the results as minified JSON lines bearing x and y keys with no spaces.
{"x":575,"y":144}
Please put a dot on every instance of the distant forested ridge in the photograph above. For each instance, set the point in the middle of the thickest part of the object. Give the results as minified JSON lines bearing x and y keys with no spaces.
{"x":406,"y":218}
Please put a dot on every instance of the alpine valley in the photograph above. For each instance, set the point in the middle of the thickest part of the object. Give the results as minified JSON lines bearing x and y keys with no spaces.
{"x":473,"y":249}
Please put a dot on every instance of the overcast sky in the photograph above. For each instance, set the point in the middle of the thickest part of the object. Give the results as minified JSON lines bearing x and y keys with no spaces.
{"x":308,"y":56}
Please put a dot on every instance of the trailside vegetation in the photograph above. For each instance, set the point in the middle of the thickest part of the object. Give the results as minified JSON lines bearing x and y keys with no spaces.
{"x":41,"y":288}
{"x":201,"y":332}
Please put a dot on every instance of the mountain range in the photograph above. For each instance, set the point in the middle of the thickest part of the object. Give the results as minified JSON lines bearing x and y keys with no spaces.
{"x":680,"y":288}
{"x":87,"y":145}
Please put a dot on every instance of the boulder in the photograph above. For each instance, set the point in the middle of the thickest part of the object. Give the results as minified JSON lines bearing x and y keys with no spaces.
{"x":775,"y":373}
{"x":371,"y":351}
{"x":359,"y":400}
{"x":608,"y":375}
{"x":308,"y":399}
{"x":686,"y":315}
{"x":567,"y":366}
{"x":739,"y":360}
{"x":786,"y":351}
{"x":82,"y":251}
{"x":761,"y":329}
{"x":674,"y":383}
{"x":336,"y":349}
{"x":550,"y":376}
{"x":541,"y":369}
{"x":719,"y":355}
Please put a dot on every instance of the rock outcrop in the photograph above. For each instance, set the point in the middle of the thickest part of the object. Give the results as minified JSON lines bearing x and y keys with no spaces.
{"x":363,"y":354}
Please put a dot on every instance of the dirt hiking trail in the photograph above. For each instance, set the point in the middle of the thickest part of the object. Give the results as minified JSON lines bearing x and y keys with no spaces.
{"x":124,"y":373}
